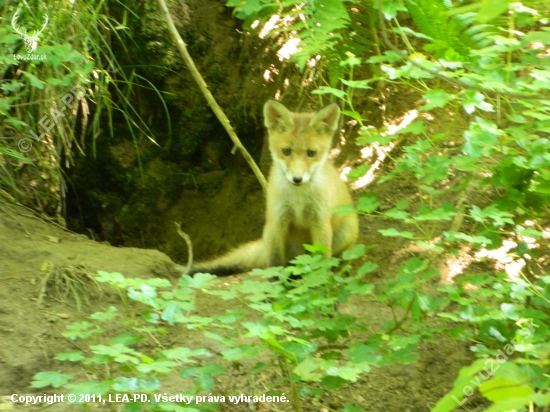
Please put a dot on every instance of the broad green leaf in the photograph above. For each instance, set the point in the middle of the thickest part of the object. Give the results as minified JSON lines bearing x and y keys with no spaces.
{"x":34,"y":81}
{"x":537,"y":37}
{"x":358,"y":172}
{"x":394,"y":233}
{"x":498,"y":389}
{"x":88,"y":388}
{"x":491,"y":9}
{"x":330,"y":90}
{"x":54,"y":379}
{"x":367,"y":267}
{"x":368,"y":203}
{"x":354,"y":253}
{"x":390,"y":8}
{"x":415,"y":128}
{"x":436,"y":98}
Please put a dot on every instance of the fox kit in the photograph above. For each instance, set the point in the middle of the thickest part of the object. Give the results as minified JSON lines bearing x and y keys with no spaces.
{"x":303,"y":188}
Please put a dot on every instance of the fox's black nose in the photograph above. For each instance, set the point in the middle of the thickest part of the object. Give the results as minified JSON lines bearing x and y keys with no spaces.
{"x":297,"y":179}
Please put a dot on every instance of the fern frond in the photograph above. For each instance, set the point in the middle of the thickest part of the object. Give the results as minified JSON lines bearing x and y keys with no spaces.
{"x":459,"y":32}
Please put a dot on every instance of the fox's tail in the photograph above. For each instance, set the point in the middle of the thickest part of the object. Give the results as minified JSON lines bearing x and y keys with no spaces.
{"x":246,"y":257}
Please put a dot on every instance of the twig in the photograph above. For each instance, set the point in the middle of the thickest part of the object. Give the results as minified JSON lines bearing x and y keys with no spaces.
{"x":459,"y":83}
{"x":208,"y":95}
{"x":187,"y":239}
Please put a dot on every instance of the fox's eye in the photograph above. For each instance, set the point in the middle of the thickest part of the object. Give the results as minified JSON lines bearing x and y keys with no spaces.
{"x":311,"y":153}
{"x":286,"y":151}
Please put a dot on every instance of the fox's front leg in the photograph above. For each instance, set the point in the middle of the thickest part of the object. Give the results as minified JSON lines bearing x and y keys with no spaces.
{"x":321,"y":232}
{"x":275,"y":238}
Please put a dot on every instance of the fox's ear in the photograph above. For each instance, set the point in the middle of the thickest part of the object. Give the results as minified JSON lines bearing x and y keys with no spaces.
{"x":325,"y":121}
{"x":277,"y":118}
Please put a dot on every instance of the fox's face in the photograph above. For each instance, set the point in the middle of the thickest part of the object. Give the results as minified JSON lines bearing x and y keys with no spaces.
{"x":300,"y":142}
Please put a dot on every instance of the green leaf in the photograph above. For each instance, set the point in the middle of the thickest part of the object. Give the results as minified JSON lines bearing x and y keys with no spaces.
{"x":241,"y":352}
{"x":415,"y":128}
{"x":358,"y":172}
{"x":160,"y":366}
{"x":198,"y":281}
{"x":474,"y":100}
{"x":34,"y":81}
{"x":126,"y":339}
{"x":54,"y":379}
{"x":396,"y":214}
{"x":537,"y":37}
{"x":15,"y":154}
{"x":103,"y":316}
{"x":353,"y":114}
{"x":392,"y":232}
{"x":436,"y":98}
{"x":184,"y":354}
{"x":344,"y":210}
{"x":445,"y":212}
{"x":367,"y":267}
{"x":308,"y":370}
{"x":498,"y":389}
{"x":12,"y":86}
{"x":390,"y":8}
{"x":357,"y":84}
{"x":388,"y":57}
{"x":124,"y":384}
{"x":354,"y":253}
{"x":368,"y":203}
{"x":454,"y":399}
{"x":118,"y":352}
{"x":88,"y":388}
{"x":408,"y":31}
{"x":332,"y":383}
{"x":491,"y":9}
{"x":330,"y":90}
{"x":361,"y":353}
